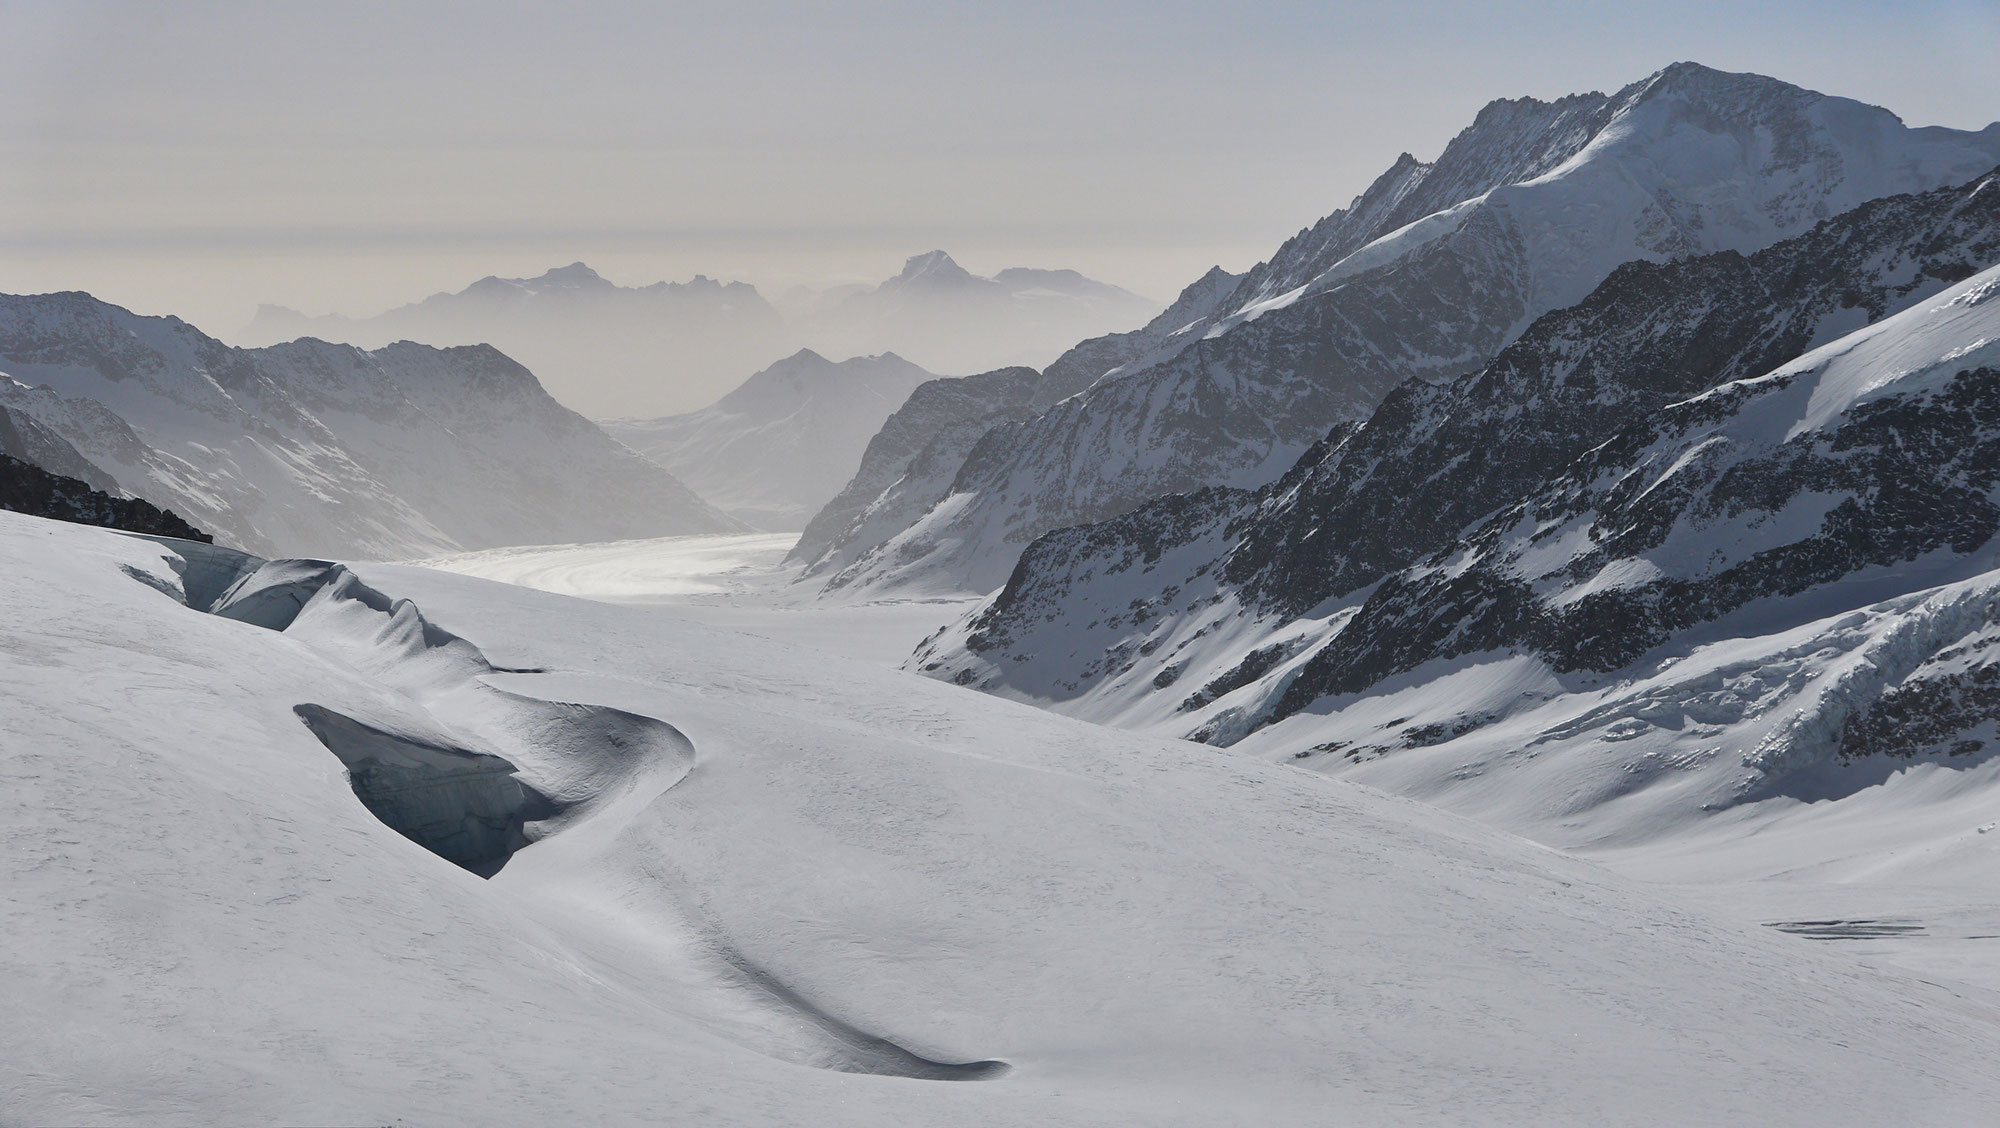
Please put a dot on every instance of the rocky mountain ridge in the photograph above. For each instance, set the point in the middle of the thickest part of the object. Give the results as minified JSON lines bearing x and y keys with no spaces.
{"x":1713,"y":457}
{"x":1685,"y":162}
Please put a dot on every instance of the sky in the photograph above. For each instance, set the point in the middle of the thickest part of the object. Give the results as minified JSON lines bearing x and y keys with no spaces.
{"x":200,"y":158}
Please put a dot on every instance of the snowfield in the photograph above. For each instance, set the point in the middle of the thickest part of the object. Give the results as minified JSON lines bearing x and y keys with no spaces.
{"x":754,"y":883}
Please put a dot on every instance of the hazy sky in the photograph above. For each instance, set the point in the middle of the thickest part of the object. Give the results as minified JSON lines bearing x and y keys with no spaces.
{"x":199,"y":158}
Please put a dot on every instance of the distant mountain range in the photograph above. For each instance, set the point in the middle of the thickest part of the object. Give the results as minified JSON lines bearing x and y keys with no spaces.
{"x":774,"y":451}
{"x":615,"y":351}
{"x":313,"y":448}
{"x":1427,"y":275}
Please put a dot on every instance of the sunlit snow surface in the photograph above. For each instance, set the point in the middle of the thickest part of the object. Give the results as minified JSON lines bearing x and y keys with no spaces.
{"x":730,"y":581}
{"x":661,"y":569}
{"x":780,"y":887}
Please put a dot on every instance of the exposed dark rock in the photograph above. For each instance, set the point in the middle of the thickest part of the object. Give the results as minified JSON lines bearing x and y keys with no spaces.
{"x":29,"y":489}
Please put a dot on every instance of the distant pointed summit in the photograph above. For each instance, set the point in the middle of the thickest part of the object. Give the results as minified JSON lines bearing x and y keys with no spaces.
{"x":935,"y":270}
{"x":574,"y":276}
{"x":801,"y":360}
{"x":929,"y":261}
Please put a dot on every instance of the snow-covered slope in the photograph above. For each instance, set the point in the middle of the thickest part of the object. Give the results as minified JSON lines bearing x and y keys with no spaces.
{"x":26,"y":438}
{"x":318,"y":448}
{"x":1782,"y":587}
{"x":737,"y":883}
{"x":1410,"y":282}
{"x":776,"y":449}
{"x":598,"y":346}
{"x":1435,"y":458}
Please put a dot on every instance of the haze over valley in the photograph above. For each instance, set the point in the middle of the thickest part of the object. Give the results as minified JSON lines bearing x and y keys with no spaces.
{"x":664,"y":348}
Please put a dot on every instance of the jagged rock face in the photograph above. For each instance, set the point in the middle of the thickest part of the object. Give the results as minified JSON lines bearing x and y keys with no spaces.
{"x":315,"y":448}
{"x":911,"y":463}
{"x":1587,"y":499}
{"x":1689,"y":161}
{"x":1948,"y":706}
{"x":774,"y":451}
{"x":1891,"y":482}
{"x":27,"y":488}
{"x":1434,"y":458}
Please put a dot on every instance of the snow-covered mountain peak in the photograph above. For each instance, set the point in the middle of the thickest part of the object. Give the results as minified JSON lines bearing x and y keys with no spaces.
{"x":1429,"y":273}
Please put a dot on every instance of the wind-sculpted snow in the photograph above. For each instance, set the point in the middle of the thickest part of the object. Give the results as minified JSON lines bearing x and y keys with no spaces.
{"x":1686,"y":162}
{"x":324,"y":449}
{"x":426,"y":772}
{"x":464,"y":806}
{"x":817,"y":864}
{"x":469,"y":806}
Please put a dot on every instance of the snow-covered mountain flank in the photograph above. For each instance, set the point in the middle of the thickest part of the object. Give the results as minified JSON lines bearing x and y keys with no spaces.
{"x":1744,"y":507}
{"x":775,"y":450}
{"x":1427,"y":275}
{"x":327,"y":449}
{"x":610,"y":350}
{"x":26,"y":439}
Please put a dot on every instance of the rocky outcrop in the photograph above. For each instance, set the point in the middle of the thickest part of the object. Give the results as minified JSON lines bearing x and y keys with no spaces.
{"x":27,"y":488}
